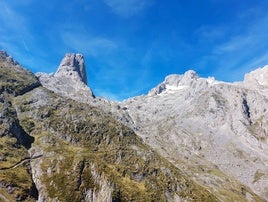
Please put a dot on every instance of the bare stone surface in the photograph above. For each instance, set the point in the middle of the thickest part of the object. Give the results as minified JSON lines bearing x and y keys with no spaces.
{"x":70,"y":80}
{"x":206,"y":122}
{"x":216,"y":132}
{"x":72,"y":66}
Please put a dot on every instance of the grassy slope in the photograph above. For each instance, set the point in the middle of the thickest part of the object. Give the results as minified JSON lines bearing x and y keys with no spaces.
{"x":75,"y":134}
{"x":74,"y":137}
{"x":15,"y":183}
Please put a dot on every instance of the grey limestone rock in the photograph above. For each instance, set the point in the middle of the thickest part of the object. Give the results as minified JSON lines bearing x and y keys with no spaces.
{"x":257,"y":77}
{"x":72,"y":66}
{"x":5,"y":57}
{"x":70,"y":80}
{"x":207,"y":123}
{"x":216,"y":132}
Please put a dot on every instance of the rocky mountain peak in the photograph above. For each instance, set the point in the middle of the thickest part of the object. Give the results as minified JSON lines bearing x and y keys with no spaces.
{"x":196,"y":139}
{"x":70,"y":80}
{"x":4,"y":57}
{"x":72,"y":66}
{"x":176,"y":82}
{"x":190,"y":74}
{"x":257,"y":77}
{"x":3,"y":53}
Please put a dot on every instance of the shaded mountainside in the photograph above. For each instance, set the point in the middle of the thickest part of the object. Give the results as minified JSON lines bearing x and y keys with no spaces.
{"x":60,"y":143}
{"x":16,"y":183}
{"x":75,"y":152}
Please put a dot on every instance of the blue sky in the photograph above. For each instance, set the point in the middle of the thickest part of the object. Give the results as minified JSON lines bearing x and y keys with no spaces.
{"x":131,"y":45}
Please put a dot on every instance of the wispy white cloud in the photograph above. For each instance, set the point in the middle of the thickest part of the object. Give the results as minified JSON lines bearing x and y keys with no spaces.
{"x":25,"y":45}
{"x":88,"y":44}
{"x":235,"y":44}
{"x":240,"y":52}
{"x":211,"y":33}
{"x":259,"y":61}
{"x":13,"y":33}
{"x":119,"y":95}
{"x":127,"y":8}
{"x":17,"y":38}
{"x":107,"y":94}
{"x":20,"y":3}
{"x":11,"y":20}
{"x":147,"y":58}
{"x":113,"y":60}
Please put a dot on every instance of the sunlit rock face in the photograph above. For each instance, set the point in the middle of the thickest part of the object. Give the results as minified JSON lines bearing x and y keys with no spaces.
{"x":73,"y":66}
{"x":257,"y":77}
{"x":189,"y":139}
{"x":200,"y":122}
{"x":70,"y":80}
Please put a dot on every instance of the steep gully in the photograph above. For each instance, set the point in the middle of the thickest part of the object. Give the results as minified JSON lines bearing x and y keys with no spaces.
{"x":26,"y":141}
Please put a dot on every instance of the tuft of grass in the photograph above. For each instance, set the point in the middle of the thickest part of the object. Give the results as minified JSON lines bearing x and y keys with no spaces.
{"x":257,"y":176}
{"x":18,"y":179}
{"x":15,"y":79}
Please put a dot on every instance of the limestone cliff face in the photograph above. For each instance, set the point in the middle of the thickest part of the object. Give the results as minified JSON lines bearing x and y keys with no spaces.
{"x":70,"y":80}
{"x":15,"y":179}
{"x":73,"y":66}
{"x":199,"y":123}
{"x":78,"y":152}
{"x":257,"y":78}
{"x":189,"y":139}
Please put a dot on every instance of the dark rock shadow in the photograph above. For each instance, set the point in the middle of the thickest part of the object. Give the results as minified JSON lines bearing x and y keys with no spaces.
{"x":23,"y":138}
{"x":33,"y":191}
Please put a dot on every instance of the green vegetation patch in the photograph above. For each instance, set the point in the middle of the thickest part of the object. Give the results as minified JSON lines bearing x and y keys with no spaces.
{"x":75,"y":136}
{"x":16,"y":80}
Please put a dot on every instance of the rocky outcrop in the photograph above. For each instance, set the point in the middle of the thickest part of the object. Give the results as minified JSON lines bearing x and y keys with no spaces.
{"x":105,"y":191}
{"x":208,"y":124}
{"x":189,"y":139}
{"x":257,"y":78}
{"x":4,"y":57}
{"x":72,"y":66}
{"x":84,"y":154}
{"x":15,"y":178}
{"x":14,"y":78}
{"x":175,"y":82}
{"x":70,"y":80}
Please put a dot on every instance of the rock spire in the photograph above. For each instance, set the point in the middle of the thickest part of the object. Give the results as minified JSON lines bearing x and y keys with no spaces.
{"x":73,"y":66}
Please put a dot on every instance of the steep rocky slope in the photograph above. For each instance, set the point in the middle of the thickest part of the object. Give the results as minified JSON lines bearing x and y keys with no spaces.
{"x":57,"y":149}
{"x":189,"y":139}
{"x":70,"y":79}
{"x":205,"y":128}
{"x":15,"y":180}
{"x":215,"y":131}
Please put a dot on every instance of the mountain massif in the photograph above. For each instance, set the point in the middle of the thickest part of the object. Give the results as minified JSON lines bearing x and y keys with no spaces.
{"x":188,"y":139}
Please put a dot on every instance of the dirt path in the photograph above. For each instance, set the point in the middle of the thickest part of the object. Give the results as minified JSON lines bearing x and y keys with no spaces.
{"x":21,"y":162}
{"x":2,"y":197}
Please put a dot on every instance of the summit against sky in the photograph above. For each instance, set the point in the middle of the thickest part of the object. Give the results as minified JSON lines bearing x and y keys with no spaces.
{"x":130,"y":46}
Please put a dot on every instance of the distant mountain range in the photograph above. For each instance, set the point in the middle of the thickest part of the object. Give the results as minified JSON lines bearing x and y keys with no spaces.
{"x":189,"y":139}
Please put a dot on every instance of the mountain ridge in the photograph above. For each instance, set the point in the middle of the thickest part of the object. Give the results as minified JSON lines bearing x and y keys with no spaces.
{"x":230,"y":118}
{"x":192,"y":87}
{"x":191,"y":139}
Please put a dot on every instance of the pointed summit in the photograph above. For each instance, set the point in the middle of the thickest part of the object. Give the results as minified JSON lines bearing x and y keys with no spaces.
{"x":70,"y":80}
{"x":4,"y":57}
{"x":258,"y":77}
{"x":73,"y":66}
{"x":176,"y":82}
{"x":3,"y":54}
